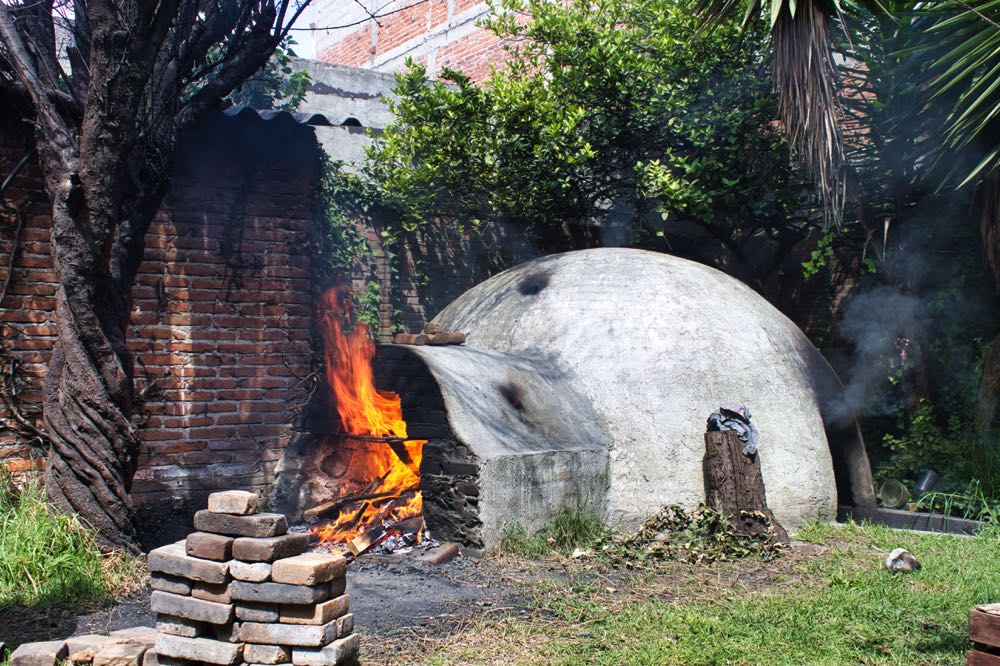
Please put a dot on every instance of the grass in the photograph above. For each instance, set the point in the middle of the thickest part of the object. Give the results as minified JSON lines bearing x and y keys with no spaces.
{"x":828,"y":601}
{"x":48,"y":559}
{"x":569,"y":529}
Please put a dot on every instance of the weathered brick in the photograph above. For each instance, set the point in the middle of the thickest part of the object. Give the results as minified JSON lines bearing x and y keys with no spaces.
{"x":209,"y":546}
{"x":277,"y":593}
{"x":288,"y":634}
{"x":145,"y":635}
{"x":345,"y":625}
{"x":217,"y":592}
{"x":172,"y":559}
{"x":341,"y":651}
{"x":320,"y":613}
{"x":259,"y":525}
{"x":270,"y":549}
{"x":250,"y":572}
{"x":44,"y":653}
{"x":337,"y":587}
{"x":82,"y":649}
{"x":236,"y":502}
{"x":123,"y":654}
{"x":308,"y":569}
{"x":257,"y":612}
{"x":191,"y":609}
{"x":266,"y":654}
{"x":179,"y":626}
{"x":201,"y":650}
{"x":171,"y":584}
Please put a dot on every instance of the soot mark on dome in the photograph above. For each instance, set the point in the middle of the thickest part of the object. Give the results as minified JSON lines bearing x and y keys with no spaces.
{"x":514,"y":395}
{"x":533,"y":283}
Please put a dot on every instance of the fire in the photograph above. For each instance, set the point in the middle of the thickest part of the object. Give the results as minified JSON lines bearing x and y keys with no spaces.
{"x":391,"y":469}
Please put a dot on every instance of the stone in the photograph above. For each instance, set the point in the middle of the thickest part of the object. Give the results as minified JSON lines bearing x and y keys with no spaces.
{"x":266,"y":654}
{"x":82,"y":649}
{"x":191,"y":609}
{"x":259,"y":525}
{"x":209,"y":546}
{"x":251,"y":572}
{"x":270,"y":549}
{"x":902,"y":560}
{"x":278,"y":593}
{"x":236,"y":502}
{"x":446,"y":552}
{"x":44,"y":653}
{"x":309,"y":569}
{"x":151,"y":659}
{"x":145,"y":635}
{"x":337,"y":587}
{"x":251,"y":612}
{"x":168,"y":583}
{"x":123,"y":654}
{"x":302,"y":635}
{"x":345,"y":625}
{"x":173,"y":559}
{"x":203,"y":650}
{"x":179,"y":626}
{"x":218,"y":593}
{"x":316,"y":613}
{"x":341,"y":651}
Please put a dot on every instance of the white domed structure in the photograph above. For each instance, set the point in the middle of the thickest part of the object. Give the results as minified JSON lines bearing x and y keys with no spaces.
{"x":655,"y":344}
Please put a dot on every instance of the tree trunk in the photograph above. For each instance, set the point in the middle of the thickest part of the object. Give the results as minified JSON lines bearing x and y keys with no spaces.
{"x":88,"y":388}
{"x":735,"y":488}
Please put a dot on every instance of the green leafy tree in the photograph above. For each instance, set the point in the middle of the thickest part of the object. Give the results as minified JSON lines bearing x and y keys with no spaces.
{"x":613,"y":122}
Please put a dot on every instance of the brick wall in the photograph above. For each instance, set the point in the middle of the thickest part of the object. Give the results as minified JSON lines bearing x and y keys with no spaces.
{"x":437,"y":33}
{"x":222,"y":312}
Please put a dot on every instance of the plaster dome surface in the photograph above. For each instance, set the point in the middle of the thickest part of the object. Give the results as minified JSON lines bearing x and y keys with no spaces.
{"x":657,"y":343}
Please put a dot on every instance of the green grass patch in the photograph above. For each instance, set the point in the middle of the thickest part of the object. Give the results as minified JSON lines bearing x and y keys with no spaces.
{"x":569,"y":529}
{"x":48,"y":558}
{"x":832,"y":603}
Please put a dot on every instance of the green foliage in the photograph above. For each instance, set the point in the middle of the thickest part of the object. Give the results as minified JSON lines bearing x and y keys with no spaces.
{"x":276,"y":85}
{"x":47,"y":557}
{"x":569,"y":530}
{"x":611,"y":121}
{"x":699,"y":536}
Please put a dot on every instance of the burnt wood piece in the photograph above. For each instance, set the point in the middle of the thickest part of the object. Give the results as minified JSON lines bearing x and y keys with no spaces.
{"x":395,"y":443}
{"x":734,"y":487}
{"x":984,"y":625}
{"x":446,"y":339}
{"x":338,"y":503}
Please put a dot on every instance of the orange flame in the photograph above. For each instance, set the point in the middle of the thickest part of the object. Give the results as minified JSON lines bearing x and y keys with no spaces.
{"x":367,"y":412}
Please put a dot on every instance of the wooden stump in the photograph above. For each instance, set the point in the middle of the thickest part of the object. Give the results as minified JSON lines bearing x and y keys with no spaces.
{"x":735,"y":488}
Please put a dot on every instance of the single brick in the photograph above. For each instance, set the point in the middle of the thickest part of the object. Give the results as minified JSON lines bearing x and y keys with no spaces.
{"x":251,"y":612}
{"x":179,"y":626}
{"x":203,"y":650}
{"x":316,"y":613}
{"x":173,"y":560}
{"x":217,"y":592}
{"x":266,"y":654}
{"x":341,"y":651}
{"x":270,"y":549}
{"x":251,"y":572}
{"x":227,"y":632}
{"x":278,"y":593}
{"x":309,"y":569}
{"x":191,"y":609}
{"x":123,"y":654}
{"x":145,"y":635}
{"x":44,"y":653}
{"x":345,"y":625}
{"x":259,"y":525}
{"x":237,"y":502}
{"x":171,"y":584}
{"x":209,"y":546}
{"x":82,"y":649}
{"x":288,"y":634}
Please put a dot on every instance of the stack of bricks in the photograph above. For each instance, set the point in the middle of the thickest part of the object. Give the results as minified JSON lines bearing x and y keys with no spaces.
{"x":241,"y":590}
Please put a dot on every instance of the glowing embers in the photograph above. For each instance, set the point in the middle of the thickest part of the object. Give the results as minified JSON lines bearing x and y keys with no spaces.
{"x":377,"y":466}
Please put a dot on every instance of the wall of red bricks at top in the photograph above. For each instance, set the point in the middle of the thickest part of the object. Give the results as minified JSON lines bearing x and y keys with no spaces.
{"x":471,"y":52}
{"x":222,"y":313}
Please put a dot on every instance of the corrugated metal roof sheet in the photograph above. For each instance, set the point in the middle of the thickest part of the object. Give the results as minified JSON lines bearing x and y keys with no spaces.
{"x":316,"y":119}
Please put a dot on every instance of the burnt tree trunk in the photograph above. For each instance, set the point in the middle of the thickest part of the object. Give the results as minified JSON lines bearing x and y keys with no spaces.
{"x":735,"y":488}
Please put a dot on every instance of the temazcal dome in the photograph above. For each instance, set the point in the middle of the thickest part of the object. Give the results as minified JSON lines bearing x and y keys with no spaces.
{"x":656,"y":343}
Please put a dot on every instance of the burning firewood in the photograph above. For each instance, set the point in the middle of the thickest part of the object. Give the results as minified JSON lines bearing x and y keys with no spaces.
{"x":340,"y":502}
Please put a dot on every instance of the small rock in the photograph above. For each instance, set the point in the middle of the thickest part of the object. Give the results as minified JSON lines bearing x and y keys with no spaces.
{"x":266,"y":654}
{"x":250,"y":572}
{"x":901,"y":560}
{"x":237,"y":502}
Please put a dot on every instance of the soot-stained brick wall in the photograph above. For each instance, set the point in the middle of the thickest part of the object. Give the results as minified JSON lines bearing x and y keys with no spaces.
{"x":222,"y":311}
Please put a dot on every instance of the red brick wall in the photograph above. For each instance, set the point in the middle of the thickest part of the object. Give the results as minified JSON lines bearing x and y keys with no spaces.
{"x":437,"y":33}
{"x":222,"y":307}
